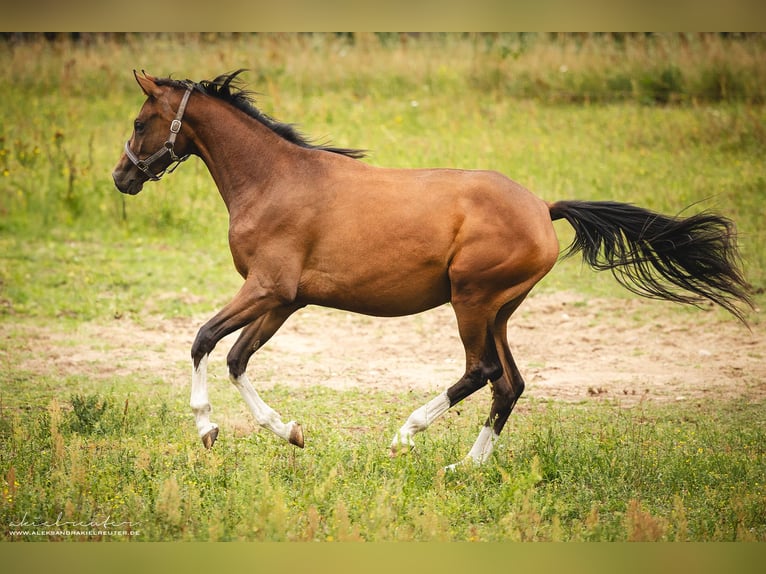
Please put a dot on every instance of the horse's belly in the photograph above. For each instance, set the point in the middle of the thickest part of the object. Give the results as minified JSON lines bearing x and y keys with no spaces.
{"x":384,"y":293}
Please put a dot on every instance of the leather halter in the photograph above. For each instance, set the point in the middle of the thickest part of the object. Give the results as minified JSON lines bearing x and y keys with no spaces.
{"x":175,"y":127}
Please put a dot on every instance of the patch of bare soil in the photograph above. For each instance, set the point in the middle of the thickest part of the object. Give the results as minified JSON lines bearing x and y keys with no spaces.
{"x":567,"y":347}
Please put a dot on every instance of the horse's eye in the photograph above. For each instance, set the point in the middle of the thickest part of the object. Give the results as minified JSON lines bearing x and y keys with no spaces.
{"x":138,"y":126}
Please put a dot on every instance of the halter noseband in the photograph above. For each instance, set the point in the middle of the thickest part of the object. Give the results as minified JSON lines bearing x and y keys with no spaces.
{"x":175,"y":127}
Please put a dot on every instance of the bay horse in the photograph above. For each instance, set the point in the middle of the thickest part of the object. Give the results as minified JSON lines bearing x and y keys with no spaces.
{"x":311,"y":224}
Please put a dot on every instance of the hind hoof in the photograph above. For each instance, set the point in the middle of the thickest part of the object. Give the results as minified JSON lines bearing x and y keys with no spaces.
{"x":208,"y":440}
{"x":296,"y":435}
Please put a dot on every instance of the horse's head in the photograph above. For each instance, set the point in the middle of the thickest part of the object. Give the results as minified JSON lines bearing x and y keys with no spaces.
{"x":158,"y":141}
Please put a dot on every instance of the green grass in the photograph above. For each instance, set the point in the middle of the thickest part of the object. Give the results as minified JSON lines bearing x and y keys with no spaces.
{"x":663,"y":123}
{"x":85,"y":276}
{"x":692,"y":471}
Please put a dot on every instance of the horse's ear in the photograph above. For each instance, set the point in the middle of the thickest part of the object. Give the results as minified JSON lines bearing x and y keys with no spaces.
{"x":148,"y":84}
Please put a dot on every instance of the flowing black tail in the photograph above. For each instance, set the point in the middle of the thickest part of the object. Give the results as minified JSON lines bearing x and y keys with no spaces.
{"x":654,"y":255}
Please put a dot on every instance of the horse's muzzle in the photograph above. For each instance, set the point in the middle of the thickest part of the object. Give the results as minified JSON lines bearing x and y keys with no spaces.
{"x":127,"y":182}
{"x":131,"y":187}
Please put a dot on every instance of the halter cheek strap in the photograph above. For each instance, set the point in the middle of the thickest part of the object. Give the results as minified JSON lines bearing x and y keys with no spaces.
{"x":175,"y":127}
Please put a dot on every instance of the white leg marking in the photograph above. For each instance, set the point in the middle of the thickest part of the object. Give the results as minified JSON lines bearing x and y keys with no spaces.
{"x":419,"y":421}
{"x":199,"y":400}
{"x":484,"y":445}
{"x":481,"y":449}
{"x":263,"y":413}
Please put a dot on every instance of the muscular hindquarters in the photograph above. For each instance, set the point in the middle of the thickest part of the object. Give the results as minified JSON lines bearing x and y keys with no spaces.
{"x":505,"y":246}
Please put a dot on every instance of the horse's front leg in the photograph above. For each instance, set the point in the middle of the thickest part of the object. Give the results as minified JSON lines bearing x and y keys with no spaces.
{"x":200,"y":404}
{"x":252,"y":338}
{"x":251,"y":302}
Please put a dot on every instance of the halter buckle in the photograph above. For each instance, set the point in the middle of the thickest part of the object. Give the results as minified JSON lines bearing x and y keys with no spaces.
{"x":175,"y":128}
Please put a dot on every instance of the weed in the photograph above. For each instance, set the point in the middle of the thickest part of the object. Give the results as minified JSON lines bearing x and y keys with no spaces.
{"x":87,"y":413}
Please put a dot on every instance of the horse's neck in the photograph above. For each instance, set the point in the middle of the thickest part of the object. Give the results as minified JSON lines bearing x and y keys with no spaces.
{"x":239,"y":151}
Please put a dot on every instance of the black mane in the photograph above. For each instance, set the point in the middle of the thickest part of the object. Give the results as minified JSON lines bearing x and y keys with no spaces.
{"x":228,"y":88}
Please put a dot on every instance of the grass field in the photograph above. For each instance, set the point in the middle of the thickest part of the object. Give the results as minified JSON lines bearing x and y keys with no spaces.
{"x":662,"y":122}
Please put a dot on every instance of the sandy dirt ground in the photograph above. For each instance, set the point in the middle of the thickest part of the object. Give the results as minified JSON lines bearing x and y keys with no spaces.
{"x":568,"y":348}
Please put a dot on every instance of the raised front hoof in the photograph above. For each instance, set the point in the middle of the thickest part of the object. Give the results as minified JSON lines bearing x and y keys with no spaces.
{"x":296,"y":435}
{"x":208,"y":439}
{"x":401,"y":444}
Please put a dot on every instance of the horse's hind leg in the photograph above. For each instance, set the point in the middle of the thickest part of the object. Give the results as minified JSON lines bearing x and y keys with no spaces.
{"x":506,"y":391}
{"x":482,"y":364}
{"x":250,"y":340}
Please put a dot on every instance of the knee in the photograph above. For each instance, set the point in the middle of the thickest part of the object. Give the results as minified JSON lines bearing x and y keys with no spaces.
{"x":203,"y":345}
{"x":236,"y":364}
